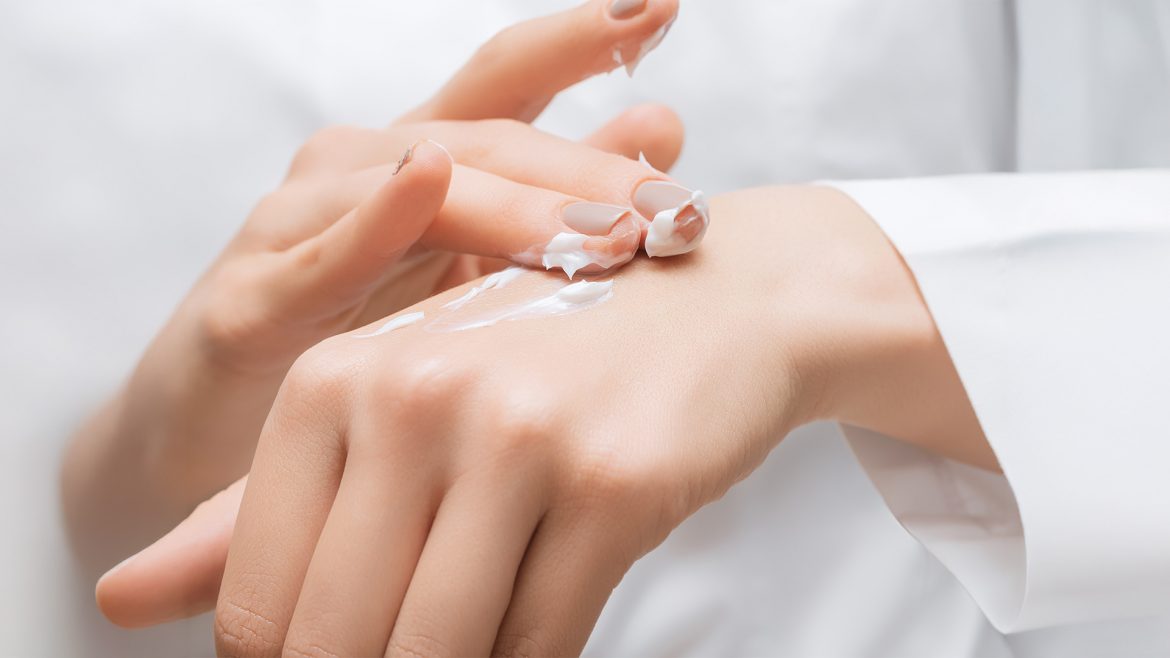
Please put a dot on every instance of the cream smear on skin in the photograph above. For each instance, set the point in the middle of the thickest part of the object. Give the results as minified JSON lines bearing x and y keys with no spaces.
{"x":394,"y":323}
{"x":494,"y":282}
{"x":567,"y":299}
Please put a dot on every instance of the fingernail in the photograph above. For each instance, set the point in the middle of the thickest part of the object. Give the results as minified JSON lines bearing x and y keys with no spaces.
{"x":592,"y":218}
{"x":576,"y":251}
{"x":409,"y":155}
{"x":441,"y":148}
{"x":678,"y":217}
{"x":626,"y":8}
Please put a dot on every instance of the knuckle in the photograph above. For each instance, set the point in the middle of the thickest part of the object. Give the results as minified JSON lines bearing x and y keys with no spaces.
{"x":323,"y":144}
{"x":241,"y":630}
{"x":606,"y":479}
{"x":519,"y":645}
{"x":324,"y":369}
{"x":420,"y":387}
{"x":417,"y":645}
{"x":522,"y":422}
{"x":298,"y":649}
{"x":229,"y":320}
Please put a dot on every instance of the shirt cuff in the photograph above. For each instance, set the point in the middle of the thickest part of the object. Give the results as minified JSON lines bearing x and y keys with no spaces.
{"x":1050,"y":293}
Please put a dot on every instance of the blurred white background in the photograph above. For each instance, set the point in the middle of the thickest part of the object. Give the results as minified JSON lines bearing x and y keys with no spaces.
{"x":135,"y":136}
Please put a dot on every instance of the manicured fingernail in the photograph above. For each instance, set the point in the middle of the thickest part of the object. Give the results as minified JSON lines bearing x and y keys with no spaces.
{"x":576,"y":251}
{"x":441,"y":148}
{"x":592,"y":218}
{"x":678,"y":217}
{"x":404,"y":160}
{"x":626,"y":8}
{"x":409,"y":155}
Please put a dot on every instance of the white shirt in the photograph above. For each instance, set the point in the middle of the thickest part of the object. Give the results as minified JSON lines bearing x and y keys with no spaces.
{"x":136,"y":135}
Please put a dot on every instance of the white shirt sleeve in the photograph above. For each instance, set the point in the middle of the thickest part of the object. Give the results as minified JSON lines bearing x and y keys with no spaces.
{"x":1052,"y":294}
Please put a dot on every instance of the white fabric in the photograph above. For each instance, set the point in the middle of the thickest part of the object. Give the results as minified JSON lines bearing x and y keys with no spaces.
{"x":1051,"y":292}
{"x":135,"y":135}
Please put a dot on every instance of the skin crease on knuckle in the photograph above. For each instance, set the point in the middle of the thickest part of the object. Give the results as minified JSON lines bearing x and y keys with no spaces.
{"x":319,"y":384}
{"x":519,"y":646}
{"x":241,"y":631}
{"x":416,"y":645}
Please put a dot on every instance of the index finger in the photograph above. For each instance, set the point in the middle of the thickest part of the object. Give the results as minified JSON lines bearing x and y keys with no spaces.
{"x":519,"y":71}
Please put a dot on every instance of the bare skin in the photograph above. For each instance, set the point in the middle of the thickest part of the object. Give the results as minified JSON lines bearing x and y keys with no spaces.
{"x":425,"y":493}
{"x":343,"y":241}
{"x":483,"y":492}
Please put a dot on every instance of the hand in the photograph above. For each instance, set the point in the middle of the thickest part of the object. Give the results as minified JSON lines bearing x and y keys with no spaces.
{"x":483,"y":491}
{"x":348,"y":238}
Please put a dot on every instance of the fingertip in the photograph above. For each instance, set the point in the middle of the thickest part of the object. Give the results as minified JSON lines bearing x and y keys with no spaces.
{"x":661,"y":12}
{"x":644,"y":15}
{"x":661,"y":133}
{"x":427,"y":164}
{"x":638,"y":35}
{"x":110,"y":596}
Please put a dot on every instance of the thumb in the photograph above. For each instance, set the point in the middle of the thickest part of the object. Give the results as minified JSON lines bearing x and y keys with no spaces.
{"x":332,"y":271}
{"x":177,"y":576}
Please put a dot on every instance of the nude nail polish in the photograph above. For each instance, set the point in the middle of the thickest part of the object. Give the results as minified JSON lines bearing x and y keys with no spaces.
{"x":592,"y":218}
{"x":626,"y":8}
{"x":678,"y":217}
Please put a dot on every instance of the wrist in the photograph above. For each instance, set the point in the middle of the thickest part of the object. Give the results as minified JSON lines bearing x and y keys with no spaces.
{"x":873,"y":347}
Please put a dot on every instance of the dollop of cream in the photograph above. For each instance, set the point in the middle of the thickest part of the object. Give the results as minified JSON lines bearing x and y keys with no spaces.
{"x":662,"y":236}
{"x":567,"y":251}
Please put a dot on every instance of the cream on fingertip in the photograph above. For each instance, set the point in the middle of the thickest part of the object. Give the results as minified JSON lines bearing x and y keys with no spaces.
{"x":679,"y":217}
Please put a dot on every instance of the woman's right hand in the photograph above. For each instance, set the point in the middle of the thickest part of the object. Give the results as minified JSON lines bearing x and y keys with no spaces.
{"x":348,"y":237}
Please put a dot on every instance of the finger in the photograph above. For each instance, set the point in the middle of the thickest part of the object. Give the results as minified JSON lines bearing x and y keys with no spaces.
{"x":177,"y":576}
{"x":519,"y":71}
{"x":363,"y":561}
{"x":337,"y":267}
{"x":564,"y":582}
{"x":651,"y":131}
{"x":463,"y":581}
{"x":678,"y":215}
{"x":290,"y":490}
{"x":487,"y":215}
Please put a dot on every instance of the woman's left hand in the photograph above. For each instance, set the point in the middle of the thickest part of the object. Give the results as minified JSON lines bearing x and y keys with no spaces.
{"x":433,"y":493}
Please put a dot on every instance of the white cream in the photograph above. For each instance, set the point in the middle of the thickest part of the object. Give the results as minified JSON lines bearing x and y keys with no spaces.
{"x":663,"y":237}
{"x":494,"y":282}
{"x":571,"y":298}
{"x":567,"y":251}
{"x":394,"y":323}
{"x":643,"y":160}
{"x":650,"y":43}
